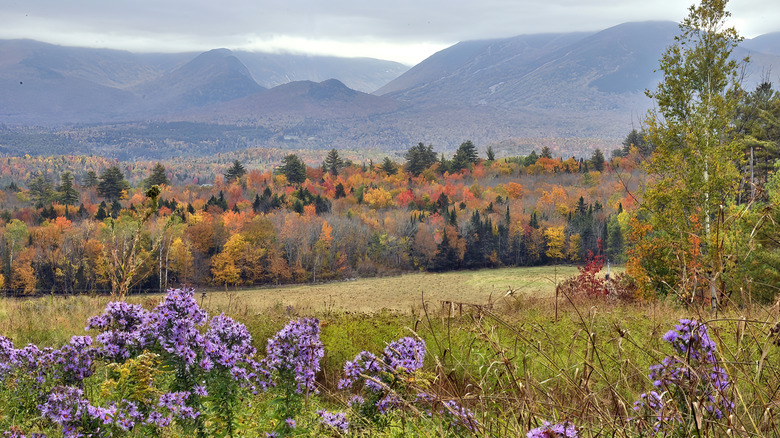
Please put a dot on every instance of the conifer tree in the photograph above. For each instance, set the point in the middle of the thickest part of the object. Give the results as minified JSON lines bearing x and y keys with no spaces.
{"x":158,"y":177}
{"x":235,"y":172}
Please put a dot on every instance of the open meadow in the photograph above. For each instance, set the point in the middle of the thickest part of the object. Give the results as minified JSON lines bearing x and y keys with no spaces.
{"x":404,"y":293}
{"x":587,"y":363}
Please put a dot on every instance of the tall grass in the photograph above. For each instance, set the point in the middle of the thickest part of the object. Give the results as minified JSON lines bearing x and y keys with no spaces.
{"x":515,"y":364}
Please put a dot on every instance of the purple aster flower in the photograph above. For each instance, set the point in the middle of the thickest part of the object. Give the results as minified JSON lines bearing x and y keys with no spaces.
{"x":336,"y":421}
{"x":548,"y":430}
{"x":296,"y":350}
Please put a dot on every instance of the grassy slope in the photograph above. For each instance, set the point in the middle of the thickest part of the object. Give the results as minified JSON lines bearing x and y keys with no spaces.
{"x":403,"y":293}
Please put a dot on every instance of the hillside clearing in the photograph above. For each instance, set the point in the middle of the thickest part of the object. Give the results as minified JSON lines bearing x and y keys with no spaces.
{"x":404,"y":293}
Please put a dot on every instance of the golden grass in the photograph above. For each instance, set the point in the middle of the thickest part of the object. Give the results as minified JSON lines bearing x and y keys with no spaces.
{"x":404,"y":293}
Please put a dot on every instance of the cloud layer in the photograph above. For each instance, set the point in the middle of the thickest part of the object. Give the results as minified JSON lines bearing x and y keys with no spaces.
{"x":402,"y":30}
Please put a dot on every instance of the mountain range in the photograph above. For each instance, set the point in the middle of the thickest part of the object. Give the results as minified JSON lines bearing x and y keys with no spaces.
{"x":563,"y":86}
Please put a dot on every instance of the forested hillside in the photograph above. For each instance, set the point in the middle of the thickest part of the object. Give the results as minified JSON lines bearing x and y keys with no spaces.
{"x":79,"y":225}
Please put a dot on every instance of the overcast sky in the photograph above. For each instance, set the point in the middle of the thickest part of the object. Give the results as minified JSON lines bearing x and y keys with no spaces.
{"x":407,"y":31}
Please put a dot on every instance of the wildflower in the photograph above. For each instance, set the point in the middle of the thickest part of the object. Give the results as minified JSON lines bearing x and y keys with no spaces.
{"x":334,"y":420}
{"x":297,"y":350}
{"x":692,"y":375}
{"x":548,"y":430}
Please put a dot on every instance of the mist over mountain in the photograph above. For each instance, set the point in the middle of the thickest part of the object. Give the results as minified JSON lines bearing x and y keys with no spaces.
{"x":565,"y":86}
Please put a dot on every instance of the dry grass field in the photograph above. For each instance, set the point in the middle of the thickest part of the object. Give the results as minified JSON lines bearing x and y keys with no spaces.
{"x":404,"y":293}
{"x":51,"y":320}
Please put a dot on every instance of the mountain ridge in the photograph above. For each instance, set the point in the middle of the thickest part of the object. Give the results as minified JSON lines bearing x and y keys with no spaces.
{"x":500,"y":91}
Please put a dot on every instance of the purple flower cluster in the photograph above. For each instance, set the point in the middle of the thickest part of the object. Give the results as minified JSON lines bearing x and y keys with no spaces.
{"x":365,"y":363}
{"x":228,"y":345}
{"x":53,"y":379}
{"x":295,"y":352}
{"x":176,"y":404}
{"x":384,"y":384}
{"x":693,"y":374}
{"x":548,"y":430}
{"x":72,"y":363}
{"x":34,"y":371}
{"x":174,"y":328}
{"x":460,"y":416}
{"x":336,"y":421}
{"x":174,"y":324}
{"x":404,"y":355}
{"x":67,"y":407}
{"x":123,"y":330}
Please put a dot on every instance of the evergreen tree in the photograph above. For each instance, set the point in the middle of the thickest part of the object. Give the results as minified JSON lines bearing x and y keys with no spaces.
{"x":615,"y":242}
{"x":101,"y":211}
{"x":546,"y":152}
{"x":446,"y":258}
{"x":235,"y":172}
{"x":90,"y":179}
{"x":116,"y":208}
{"x":638,"y":140}
{"x":597,"y":160}
{"x":68,"y":195}
{"x":530,"y":159}
{"x":340,"y":193}
{"x":41,"y":190}
{"x":491,"y":156}
{"x":419,"y":158}
{"x":389,"y":167}
{"x":158,"y":177}
{"x":464,"y":157}
{"x":293,"y":168}
{"x":112,"y":184}
{"x":333,"y":163}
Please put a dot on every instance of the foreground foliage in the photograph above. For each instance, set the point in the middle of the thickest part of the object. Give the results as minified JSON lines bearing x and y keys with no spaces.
{"x":592,"y":367}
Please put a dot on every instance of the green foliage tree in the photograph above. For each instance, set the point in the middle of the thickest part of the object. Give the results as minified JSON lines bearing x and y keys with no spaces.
{"x":465,"y":156}
{"x":158,"y":177}
{"x":419,"y":158}
{"x":112,"y":184}
{"x":694,"y":171}
{"x":530,"y":159}
{"x":491,"y":156}
{"x":597,"y":160}
{"x":293,"y":168}
{"x":638,"y":140}
{"x":546,"y":152}
{"x":67,"y":193}
{"x":90,"y":179}
{"x":758,"y":127}
{"x":235,"y":172}
{"x":41,"y":190}
{"x":333,"y":162}
{"x":389,"y":167}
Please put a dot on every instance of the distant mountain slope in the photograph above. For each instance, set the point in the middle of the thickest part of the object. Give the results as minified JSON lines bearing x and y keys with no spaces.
{"x":212,"y":77}
{"x":501,"y":58}
{"x":362,"y":74}
{"x":111,"y":68}
{"x":300,"y":100}
{"x":74,"y":85}
{"x":543,"y":71}
{"x":581,"y":89}
{"x":768,"y":43}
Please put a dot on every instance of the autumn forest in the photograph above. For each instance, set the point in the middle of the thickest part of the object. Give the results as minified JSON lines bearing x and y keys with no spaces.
{"x":87,"y":224}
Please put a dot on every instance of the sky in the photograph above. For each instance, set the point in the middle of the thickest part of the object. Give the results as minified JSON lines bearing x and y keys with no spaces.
{"x":405,"y":31}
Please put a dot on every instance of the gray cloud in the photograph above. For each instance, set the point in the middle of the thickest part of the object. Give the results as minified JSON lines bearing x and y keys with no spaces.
{"x":412,"y":26}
